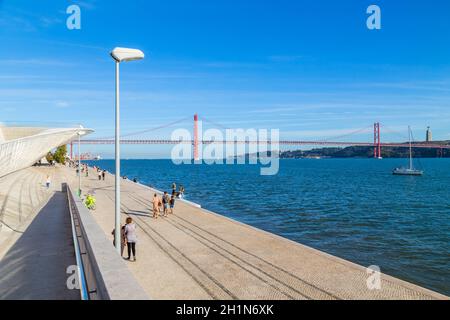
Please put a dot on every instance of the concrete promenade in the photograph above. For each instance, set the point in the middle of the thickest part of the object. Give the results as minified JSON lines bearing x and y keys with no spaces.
{"x":194,"y":254}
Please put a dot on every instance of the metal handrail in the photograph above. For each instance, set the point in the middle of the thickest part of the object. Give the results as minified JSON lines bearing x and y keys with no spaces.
{"x":80,"y":269}
{"x":86,"y":278}
{"x":102,"y":273}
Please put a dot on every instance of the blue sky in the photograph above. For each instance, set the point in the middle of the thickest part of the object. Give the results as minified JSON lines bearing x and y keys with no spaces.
{"x":309,"y":68}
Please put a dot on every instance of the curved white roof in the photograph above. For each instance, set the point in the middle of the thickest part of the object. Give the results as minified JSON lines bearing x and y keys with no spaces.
{"x":21,"y":147}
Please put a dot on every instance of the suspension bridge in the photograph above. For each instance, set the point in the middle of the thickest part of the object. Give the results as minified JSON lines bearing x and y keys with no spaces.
{"x":377,"y":144}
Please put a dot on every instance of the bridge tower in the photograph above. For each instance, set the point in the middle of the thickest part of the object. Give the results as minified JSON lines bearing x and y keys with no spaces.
{"x":196,"y":155}
{"x":377,"y":140}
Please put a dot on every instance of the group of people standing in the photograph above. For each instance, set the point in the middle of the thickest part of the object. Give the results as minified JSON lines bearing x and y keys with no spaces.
{"x":165,"y":204}
{"x":101,"y":174}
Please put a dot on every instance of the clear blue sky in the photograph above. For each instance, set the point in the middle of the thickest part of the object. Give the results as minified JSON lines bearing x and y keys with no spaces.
{"x":309,"y":68}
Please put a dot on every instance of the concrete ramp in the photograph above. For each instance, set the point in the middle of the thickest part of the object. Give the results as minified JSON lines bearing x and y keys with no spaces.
{"x":35,"y":266}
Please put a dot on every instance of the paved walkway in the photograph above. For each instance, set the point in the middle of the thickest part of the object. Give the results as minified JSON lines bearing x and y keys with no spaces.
{"x":37,"y":245}
{"x":196,"y":254}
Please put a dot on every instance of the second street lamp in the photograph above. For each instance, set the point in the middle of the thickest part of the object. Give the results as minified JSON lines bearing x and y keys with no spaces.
{"x":120,"y":55}
{"x":80,"y":133}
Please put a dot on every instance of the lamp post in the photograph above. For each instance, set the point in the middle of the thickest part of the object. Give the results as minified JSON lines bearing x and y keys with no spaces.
{"x":79,"y":133}
{"x":120,"y":55}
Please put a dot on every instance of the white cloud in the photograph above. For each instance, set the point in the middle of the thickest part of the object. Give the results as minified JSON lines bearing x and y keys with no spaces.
{"x":62,"y":104}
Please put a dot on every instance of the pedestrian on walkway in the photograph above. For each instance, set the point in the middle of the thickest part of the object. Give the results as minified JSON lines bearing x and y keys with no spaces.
{"x":172,"y":204}
{"x":99,"y":175}
{"x":48,"y":182}
{"x":103,"y":174}
{"x":165,"y":202}
{"x":160,"y":206}
{"x":155,"y":203}
{"x":130,"y":232}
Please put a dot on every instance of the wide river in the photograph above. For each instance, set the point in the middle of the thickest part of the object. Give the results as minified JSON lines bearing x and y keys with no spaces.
{"x":352,"y":208}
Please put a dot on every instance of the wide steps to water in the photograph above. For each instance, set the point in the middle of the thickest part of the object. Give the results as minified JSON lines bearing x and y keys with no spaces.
{"x":22,"y":193}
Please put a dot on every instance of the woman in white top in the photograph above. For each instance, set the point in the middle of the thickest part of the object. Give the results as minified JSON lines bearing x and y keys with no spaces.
{"x":48,"y":182}
{"x":130,"y":232}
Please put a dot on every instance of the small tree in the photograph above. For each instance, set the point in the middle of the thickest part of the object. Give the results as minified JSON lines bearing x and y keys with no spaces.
{"x":49,"y":157}
{"x":60,"y":154}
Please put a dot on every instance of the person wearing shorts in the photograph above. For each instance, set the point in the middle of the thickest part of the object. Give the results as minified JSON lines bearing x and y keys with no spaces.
{"x":155,"y":203}
{"x":165,"y":201}
{"x":172,"y":203}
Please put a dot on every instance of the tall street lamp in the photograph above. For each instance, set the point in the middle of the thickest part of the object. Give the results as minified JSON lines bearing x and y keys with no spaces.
{"x":79,"y":133}
{"x":120,"y":55}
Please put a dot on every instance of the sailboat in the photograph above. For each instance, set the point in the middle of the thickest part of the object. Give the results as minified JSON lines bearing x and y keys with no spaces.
{"x":408,"y":171}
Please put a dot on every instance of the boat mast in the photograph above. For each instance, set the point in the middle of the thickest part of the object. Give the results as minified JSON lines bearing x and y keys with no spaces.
{"x":410,"y":149}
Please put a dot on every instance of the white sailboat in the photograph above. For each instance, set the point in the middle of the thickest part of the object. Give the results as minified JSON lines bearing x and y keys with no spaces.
{"x":410,"y":171}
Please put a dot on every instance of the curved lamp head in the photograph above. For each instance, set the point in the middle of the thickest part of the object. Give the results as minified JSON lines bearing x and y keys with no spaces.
{"x":126,"y":54}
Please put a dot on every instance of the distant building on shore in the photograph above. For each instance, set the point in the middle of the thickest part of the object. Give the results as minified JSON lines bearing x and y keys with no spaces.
{"x":429,"y":137}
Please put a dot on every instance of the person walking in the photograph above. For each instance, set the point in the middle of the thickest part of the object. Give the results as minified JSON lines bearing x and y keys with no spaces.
{"x":155,"y":203}
{"x":172,"y":203}
{"x":48,"y":182}
{"x":130,"y":232}
{"x":165,"y":202}
{"x":161,"y":208}
{"x":103,"y":174}
{"x":99,"y":173}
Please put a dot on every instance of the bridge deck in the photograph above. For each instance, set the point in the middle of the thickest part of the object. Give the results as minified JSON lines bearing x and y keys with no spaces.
{"x":425,"y":145}
{"x":196,"y":254}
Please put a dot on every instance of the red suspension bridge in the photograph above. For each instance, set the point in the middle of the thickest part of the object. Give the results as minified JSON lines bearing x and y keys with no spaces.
{"x":195,"y":142}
